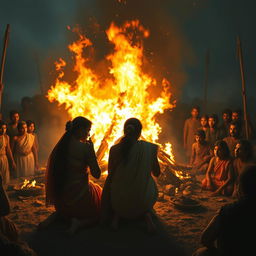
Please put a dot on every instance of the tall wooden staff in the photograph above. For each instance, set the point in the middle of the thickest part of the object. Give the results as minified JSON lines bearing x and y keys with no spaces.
{"x":240,"y":56}
{"x":6,"y":37}
{"x":206,"y":78}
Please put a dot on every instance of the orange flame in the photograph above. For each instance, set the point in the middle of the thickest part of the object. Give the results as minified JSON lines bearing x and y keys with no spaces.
{"x":110,"y":101}
{"x":28,"y":184}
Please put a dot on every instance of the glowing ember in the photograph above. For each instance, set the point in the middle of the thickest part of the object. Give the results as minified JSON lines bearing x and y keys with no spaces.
{"x":108,"y":102}
{"x":28,"y":184}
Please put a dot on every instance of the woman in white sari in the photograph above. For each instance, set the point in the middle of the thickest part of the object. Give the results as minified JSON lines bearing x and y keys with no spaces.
{"x":24,"y":151}
{"x":130,"y":190}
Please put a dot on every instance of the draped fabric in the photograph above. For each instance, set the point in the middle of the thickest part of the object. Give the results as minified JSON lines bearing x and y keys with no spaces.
{"x":133,"y":191}
{"x":4,"y":165}
{"x":219,"y":177}
{"x":23,"y":155}
{"x":68,"y":186}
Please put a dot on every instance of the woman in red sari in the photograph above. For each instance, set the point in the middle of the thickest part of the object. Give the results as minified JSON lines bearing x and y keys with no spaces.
{"x":68,"y":187}
{"x":220,"y":175}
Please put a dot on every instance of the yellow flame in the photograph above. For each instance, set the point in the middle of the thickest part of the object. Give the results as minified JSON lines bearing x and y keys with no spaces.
{"x":125,"y":93}
{"x":28,"y":184}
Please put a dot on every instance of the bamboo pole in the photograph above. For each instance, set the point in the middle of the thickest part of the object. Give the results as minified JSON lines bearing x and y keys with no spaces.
{"x":206,"y":78}
{"x":241,"y":62}
{"x":6,"y":38}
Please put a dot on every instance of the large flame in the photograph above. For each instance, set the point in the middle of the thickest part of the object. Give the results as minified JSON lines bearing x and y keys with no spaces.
{"x":109,"y":101}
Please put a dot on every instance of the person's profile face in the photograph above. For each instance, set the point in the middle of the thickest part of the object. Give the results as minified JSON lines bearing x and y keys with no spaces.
{"x":83,"y":133}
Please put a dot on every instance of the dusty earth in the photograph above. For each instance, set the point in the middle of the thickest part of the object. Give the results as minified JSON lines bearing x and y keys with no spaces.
{"x":178,"y":230}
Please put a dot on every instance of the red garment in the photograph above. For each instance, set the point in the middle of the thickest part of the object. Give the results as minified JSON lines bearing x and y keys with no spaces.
{"x":220,"y":175}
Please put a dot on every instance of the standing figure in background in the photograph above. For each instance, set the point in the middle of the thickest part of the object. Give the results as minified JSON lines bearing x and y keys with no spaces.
{"x":130,"y":190}
{"x":220,"y":174}
{"x":31,"y":129}
{"x":226,"y":119}
{"x":238,"y":117}
{"x":201,"y":154}
{"x":204,"y":123}
{"x":212,"y":134}
{"x":5,"y":154}
{"x":12,"y":128}
{"x":244,"y":157}
{"x":24,"y":152}
{"x":190,"y":127}
{"x":234,"y":136}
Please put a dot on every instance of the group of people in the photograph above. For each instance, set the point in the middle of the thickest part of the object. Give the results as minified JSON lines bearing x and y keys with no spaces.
{"x":220,"y":152}
{"x":18,"y":148}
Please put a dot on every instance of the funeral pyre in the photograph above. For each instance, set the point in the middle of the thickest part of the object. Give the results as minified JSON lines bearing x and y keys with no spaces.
{"x":125,"y":91}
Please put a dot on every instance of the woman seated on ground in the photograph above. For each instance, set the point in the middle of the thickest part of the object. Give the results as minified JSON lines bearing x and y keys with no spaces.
{"x":130,"y":191}
{"x":10,"y":243}
{"x":68,"y":188}
{"x":231,"y":231}
{"x":220,"y":174}
{"x":243,"y":157}
{"x":201,"y":154}
{"x":5,"y":154}
{"x":24,"y":152}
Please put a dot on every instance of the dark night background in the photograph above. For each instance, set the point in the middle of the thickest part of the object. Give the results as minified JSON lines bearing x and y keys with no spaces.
{"x":181,"y":33}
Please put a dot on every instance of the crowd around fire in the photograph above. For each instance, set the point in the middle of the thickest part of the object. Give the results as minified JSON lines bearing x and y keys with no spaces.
{"x":218,"y":151}
{"x":221,"y":151}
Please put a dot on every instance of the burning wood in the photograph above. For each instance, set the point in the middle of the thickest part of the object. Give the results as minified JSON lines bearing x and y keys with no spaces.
{"x":29,"y":188}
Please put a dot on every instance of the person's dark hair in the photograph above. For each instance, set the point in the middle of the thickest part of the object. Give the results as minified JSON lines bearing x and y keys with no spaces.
{"x":56,"y":166}
{"x":2,"y":122}
{"x":238,"y":111}
{"x":20,"y":124}
{"x":247,"y":147}
{"x":196,"y":107}
{"x":204,"y":116}
{"x":235,"y":123}
{"x":224,"y":146}
{"x":29,"y":122}
{"x":200,"y":133}
{"x":227,"y":111}
{"x":132,"y":131}
{"x":215,"y":117}
{"x":247,"y":182}
{"x":12,"y":112}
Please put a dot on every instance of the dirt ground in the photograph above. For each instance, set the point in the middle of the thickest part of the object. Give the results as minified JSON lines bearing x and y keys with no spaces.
{"x":178,"y":230}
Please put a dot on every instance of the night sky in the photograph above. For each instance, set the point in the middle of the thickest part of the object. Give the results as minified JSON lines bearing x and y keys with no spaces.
{"x":39,"y":36}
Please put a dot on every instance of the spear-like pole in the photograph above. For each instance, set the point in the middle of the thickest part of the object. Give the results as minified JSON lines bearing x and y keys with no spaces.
{"x":206,"y":78}
{"x":6,"y":38}
{"x":240,"y":56}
